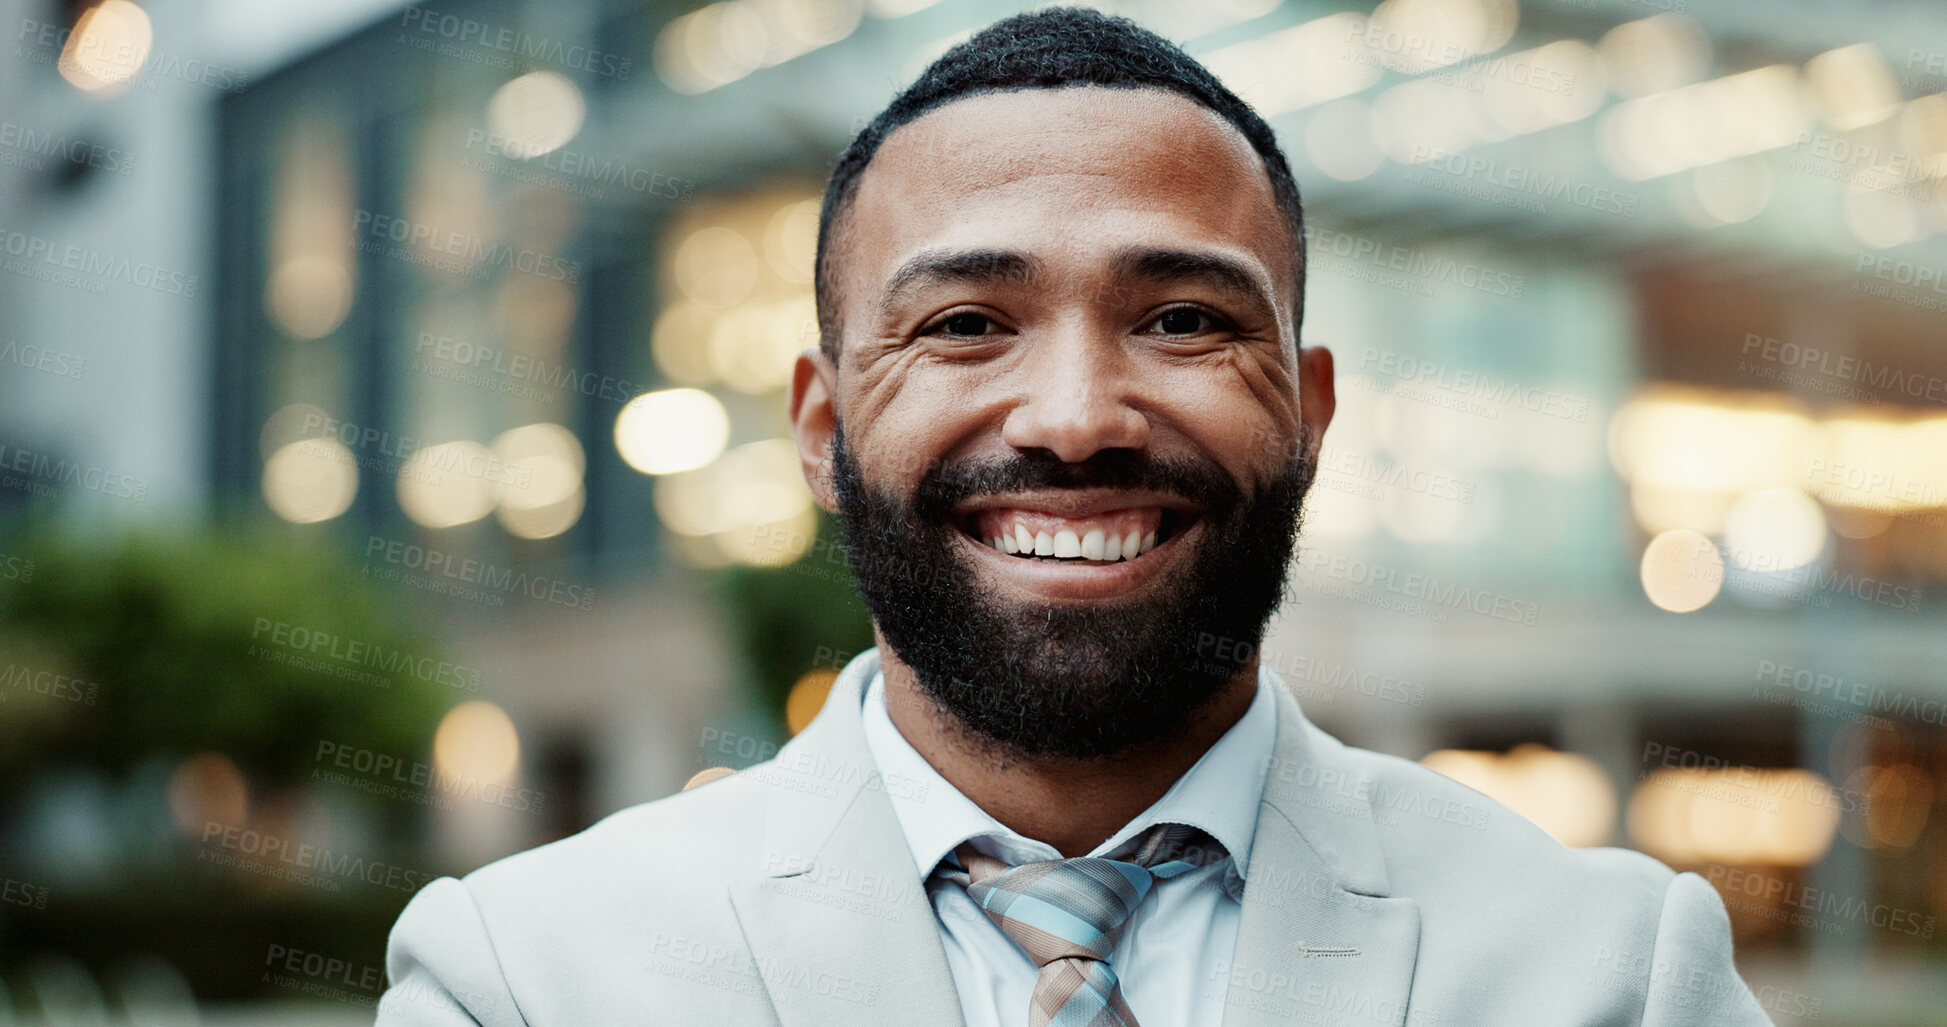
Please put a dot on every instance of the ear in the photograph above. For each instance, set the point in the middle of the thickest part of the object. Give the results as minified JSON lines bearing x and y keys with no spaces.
{"x":1317,"y":395}
{"x":814,"y":389}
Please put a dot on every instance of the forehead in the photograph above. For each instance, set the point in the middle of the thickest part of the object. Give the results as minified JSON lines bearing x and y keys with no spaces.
{"x":1069,"y":171}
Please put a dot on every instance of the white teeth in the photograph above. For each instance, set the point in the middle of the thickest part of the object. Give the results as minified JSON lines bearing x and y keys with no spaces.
{"x":1068,"y":544}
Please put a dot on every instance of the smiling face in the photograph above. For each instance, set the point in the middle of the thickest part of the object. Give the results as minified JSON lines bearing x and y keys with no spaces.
{"x":1077,"y":429}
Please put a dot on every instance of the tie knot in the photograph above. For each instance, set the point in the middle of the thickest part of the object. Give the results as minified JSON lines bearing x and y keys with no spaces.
{"x":1069,"y":908}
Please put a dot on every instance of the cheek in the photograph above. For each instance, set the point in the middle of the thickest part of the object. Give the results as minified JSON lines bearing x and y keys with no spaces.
{"x":911,"y":415}
{"x":1239,"y":408}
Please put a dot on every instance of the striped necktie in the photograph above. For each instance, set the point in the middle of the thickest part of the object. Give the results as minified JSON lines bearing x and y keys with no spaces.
{"x":1067,"y":914}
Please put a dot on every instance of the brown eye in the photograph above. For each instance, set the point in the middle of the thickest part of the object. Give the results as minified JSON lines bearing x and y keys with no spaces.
{"x":965,"y":324}
{"x":1182,"y":321}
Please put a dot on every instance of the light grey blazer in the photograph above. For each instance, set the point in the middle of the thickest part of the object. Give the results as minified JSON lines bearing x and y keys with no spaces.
{"x":1378,"y":892}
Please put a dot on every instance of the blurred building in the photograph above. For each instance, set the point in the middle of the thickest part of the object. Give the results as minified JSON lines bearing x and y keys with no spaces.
{"x":1633,"y":513}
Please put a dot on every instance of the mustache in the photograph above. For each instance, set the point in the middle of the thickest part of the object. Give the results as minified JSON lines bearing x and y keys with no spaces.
{"x":1199,"y":482}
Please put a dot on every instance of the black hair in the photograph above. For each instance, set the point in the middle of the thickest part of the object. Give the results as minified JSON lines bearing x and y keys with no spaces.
{"x":1047,"y":49}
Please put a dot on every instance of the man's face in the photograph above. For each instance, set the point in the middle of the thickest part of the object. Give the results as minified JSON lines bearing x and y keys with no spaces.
{"x":1068,"y":329}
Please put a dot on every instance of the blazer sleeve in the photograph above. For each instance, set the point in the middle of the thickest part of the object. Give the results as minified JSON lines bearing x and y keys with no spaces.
{"x":442,"y":965}
{"x":1692,"y":979}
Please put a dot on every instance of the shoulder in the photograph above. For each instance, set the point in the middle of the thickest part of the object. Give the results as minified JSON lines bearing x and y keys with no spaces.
{"x":713,"y":830}
{"x":1587,"y":933}
{"x":642,"y":895}
{"x":1443,"y":840}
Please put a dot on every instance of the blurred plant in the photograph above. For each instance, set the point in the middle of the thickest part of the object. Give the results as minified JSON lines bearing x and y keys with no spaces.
{"x":785,"y":617}
{"x":121,"y":659}
{"x":190,"y":643}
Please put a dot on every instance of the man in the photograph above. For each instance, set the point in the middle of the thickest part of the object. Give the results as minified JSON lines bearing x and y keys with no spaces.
{"x":1060,"y":404}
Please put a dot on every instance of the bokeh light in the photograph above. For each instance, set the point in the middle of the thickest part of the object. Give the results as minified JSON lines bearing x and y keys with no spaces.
{"x":536,"y":113}
{"x":1774,"y":530}
{"x":1681,"y":571}
{"x":807,"y":697}
{"x":207,"y":789}
{"x":448,"y":484}
{"x":1564,"y":793}
{"x":108,"y":47}
{"x":476,"y":741}
{"x":1739,"y":816}
{"x":310,"y":480}
{"x":671,"y":431}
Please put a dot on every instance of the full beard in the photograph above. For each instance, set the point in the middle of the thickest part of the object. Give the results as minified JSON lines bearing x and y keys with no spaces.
{"x":1075,"y":681}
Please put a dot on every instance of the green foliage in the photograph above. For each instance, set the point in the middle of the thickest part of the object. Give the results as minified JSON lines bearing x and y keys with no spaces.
{"x":180,"y":634}
{"x":788,"y":617}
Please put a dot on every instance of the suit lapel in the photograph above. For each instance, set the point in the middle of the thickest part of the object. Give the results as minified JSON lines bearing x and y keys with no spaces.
{"x":1319,"y":939}
{"x":836,"y":915}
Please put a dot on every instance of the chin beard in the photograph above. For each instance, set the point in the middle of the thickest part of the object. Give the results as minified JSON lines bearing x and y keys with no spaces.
{"x":1053,"y":681}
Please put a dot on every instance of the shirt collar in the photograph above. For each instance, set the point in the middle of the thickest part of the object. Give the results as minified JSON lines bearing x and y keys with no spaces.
{"x":1219,"y":794}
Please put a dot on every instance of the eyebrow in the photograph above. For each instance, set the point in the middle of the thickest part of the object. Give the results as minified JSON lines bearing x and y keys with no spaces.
{"x":993,"y":266}
{"x":1220,"y":272}
{"x":959,"y":267}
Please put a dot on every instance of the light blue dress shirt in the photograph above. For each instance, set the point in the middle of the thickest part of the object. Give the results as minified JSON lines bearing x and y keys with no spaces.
{"x":1171,"y":955}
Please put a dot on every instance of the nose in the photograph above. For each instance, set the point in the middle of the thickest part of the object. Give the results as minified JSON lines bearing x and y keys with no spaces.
{"x":1077,"y":394}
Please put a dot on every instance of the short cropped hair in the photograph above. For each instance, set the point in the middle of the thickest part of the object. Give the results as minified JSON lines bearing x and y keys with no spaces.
{"x":1049,"y":49}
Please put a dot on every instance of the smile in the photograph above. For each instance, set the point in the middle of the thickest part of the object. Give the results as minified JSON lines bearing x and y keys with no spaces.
{"x":1108,"y":537}
{"x":1069,"y":545}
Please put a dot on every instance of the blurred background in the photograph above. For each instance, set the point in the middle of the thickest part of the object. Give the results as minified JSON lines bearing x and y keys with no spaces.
{"x":394,"y":473}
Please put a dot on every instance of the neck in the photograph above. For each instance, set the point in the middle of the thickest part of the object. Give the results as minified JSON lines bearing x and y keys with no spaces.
{"x":1073,"y":805}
